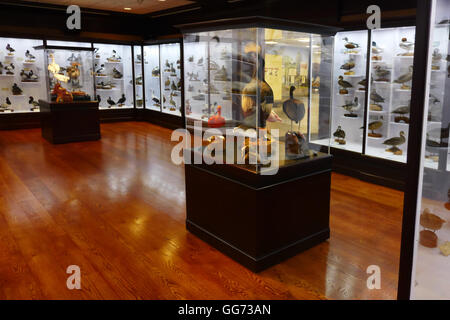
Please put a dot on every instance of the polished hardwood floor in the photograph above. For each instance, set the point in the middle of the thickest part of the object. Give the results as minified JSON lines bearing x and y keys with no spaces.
{"x":116,"y":208}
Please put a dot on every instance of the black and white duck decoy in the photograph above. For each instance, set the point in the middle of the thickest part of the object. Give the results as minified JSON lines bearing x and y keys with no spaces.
{"x":155,"y":99}
{"x":122,"y":100}
{"x":110,"y":102}
{"x":16,"y":90}
{"x":351,"y":107}
{"x":34,"y":104}
{"x":293,"y":108}
{"x":339,"y":135}
{"x":10,"y":49}
{"x":29,"y":56}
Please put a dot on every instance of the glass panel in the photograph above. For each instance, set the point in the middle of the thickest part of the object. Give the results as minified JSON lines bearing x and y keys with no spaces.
{"x":349,"y":90}
{"x":114,"y":76}
{"x":171,"y":78}
{"x":391,"y":59}
{"x":432,"y":252}
{"x":152,"y":78}
{"x":22,"y":76}
{"x":69,"y":44}
{"x":71,"y":70}
{"x":138,"y":81}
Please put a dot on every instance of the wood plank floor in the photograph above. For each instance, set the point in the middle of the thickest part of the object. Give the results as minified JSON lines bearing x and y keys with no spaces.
{"x":116,"y":208}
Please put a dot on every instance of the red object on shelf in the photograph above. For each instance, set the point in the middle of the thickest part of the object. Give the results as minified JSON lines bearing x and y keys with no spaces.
{"x":216,"y":121}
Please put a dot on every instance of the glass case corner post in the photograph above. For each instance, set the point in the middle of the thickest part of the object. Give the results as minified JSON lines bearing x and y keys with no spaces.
{"x":138,"y":76}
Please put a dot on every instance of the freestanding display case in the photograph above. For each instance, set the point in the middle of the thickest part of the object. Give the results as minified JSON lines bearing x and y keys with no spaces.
{"x":264,"y":87}
{"x":163,"y":83}
{"x":425,"y":263}
{"x":70,"y":112}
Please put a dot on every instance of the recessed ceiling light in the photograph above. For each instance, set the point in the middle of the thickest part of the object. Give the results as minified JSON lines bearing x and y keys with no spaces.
{"x":161,"y":0}
{"x":128,"y":9}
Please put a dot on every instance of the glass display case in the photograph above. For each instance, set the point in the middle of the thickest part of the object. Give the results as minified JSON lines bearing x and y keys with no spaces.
{"x":256,"y":81}
{"x":113,"y":69}
{"x":22,"y":76}
{"x":391,"y":67}
{"x":152,"y":73}
{"x":431,"y":268}
{"x":349,"y":88}
{"x":163,"y":81}
{"x":138,"y":76}
{"x":69,"y":72}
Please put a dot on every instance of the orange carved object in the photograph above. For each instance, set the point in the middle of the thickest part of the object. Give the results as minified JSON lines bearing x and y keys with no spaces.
{"x":216,"y":121}
{"x":62,"y":95}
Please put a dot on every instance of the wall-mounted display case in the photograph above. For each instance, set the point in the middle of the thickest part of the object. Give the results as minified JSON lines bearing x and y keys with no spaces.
{"x":22,"y":75}
{"x":431,"y":245}
{"x":267,"y":83}
{"x":163,"y":79}
{"x":113,"y":69}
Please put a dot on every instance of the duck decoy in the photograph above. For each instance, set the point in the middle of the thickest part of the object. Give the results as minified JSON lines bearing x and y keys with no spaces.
{"x":8,"y":102}
{"x":99,"y":99}
{"x":101,"y":70}
{"x":10,"y":49}
{"x":376,"y":49}
{"x":173,"y":86}
{"x":374,"y":125}
{"x":172,"y":103}
{"x":293,"y":108}
{"x":117,"y":74}
{"x":167,"y":84}
{"x":191,"y":59}
{"x":436,"y":56}
{"x":10,"y":69}
{"x":394,"y":143}
{"x":406,"y":77}
{"x":348,"y":65}
{"x":16,"y":90}
{"x":155,"y":99}
{"x":34,"y":104}
{"x":408,"y":46}
{"x":110,"y":102}
{"x":374,"y":96}
{"x":382,"y":73}
{"x":351,"y":107}
{"x":29,"y":56}
{"x":402,"y":110}
{"x":200,"y":61}
{"x":121,"y":101}
{"x":339,"y":135}
{"x":350,"y":45}
{"x":344,"y":84}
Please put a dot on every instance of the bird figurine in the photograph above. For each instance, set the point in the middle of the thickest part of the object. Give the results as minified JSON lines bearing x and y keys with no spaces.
{"x":200,"y":62}
{"x":429,"y":220}
{"x":350,"y":45}
{"x":348,"y":66}
{"x":110,"y":102}
{"x":436,"y":59}
{"x":382,"y":73}
{"x":363,"y":83}
{"x":29,"y":56}
{"x":216,"y":120}
{"x":167,"y":84}
{"x":402,"y":110}
{"x":34,"y":104}
{"x":339,"y":135}
{"x":101,"y":71}
{"x":408,"y":46}
{"x":155,"y":100}
{"x":172,"y":103}
{"x":117,"y":74}
{"x":344,"y":85}
{"x":99,"y":99}
{"x":376,"y":49}
{"x":351,"y":107}
{"x":173,"y":86}
{"x":8,"y":102}
{"x":374,"y":96}
{"x":16,"y":90}
{"x":394,"y":143}
{"x":10,"y":49}
{"x":10,"y":69}
{"x":374,"y":125}
{"x":121,"y":101}
{"x":293,"y":108}
{"x":404,"y":78}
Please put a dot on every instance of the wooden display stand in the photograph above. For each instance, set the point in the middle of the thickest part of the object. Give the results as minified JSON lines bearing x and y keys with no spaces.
{"x":260,"y":220}
{"x":70,"y":122}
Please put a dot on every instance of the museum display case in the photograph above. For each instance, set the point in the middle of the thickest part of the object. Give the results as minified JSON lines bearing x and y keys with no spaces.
{"x":70,"y":111}
{"x":22,"y":76}
{"x":163,"y":79}
{"x":113,"y":70}
{"x":138,"y":76}
{"x":431,"y":268}
{"x":257,"y":91}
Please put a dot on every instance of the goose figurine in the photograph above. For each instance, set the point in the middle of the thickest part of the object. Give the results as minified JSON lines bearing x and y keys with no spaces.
{"x":294,"y":109}
{"x":406,"y":77}
{"x":394,"y":143}
{"x":339,"y":135}
{"x":351,"y":107}
{"x":350,"y":45}
{"x":408,"y":46}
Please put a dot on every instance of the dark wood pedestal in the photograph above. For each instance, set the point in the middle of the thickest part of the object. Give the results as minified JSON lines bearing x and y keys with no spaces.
{"x":260,"y":220}
{"x":70,"y":122}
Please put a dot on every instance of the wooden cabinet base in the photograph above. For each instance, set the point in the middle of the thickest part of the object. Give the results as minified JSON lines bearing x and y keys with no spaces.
{"x":70,"y":122}
{"x":259,"y":224}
